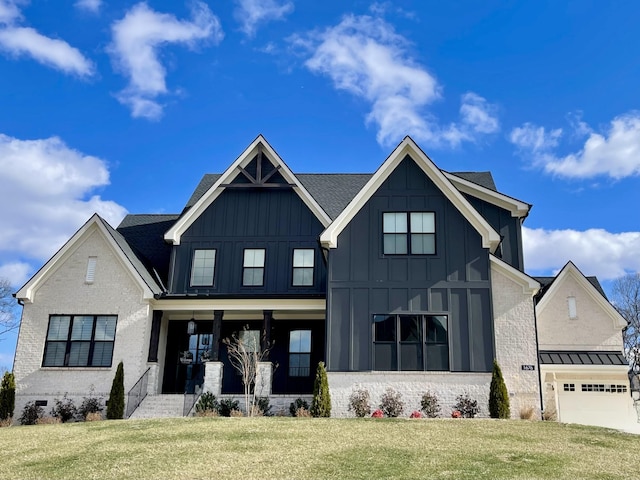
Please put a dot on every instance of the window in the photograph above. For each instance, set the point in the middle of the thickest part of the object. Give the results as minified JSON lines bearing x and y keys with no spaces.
{"x":303,"y":267}
{"x":571,"y":304}
{"x":599,"y":387}
{"x":250,"y":339}
{"x":410,"y":342}
{"x":202,"y":268}
{"x":91,"y":270}
{"x":300,"y":353}
{"x":569,"y":387}
{"x":80,"y":341}
{"x":253,"y":267}
{"x":413,"y":232}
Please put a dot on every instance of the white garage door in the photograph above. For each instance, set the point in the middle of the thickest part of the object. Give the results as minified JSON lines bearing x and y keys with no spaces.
{"x":601,"y":404}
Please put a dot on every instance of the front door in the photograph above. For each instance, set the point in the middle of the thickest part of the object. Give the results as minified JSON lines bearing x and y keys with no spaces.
{"x":184,"y":362}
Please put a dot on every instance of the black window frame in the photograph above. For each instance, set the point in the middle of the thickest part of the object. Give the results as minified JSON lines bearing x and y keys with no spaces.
{"x":300,"y":372}
{"x":213,"y":273}
{"x":253,"y":268}
{"x":400,"y":339}
{"x":69,"y":342}
{"x":410,"y":233}
{"x":294,"y":268}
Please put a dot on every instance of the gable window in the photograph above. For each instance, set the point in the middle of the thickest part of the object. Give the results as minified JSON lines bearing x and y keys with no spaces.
{"x":405,"y":232}
{"x":410,"y":342}
{"x":573,"y":311}
{"x":299,"y":353}
{"x":253,"y":267}
{"x":91,"y":270}
{"x":303,"y":259}
{"x":202,"y":268}
{"x":80,"y":341}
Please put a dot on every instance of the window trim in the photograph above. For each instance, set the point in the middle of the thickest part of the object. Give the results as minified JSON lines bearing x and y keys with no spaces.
{"x":408,"y":234}
{"x":213,"y":275}
{"x":244,"y":267}
{"x":299,"y":353}
{"x":69,"y":342}
{"x":312,"y":268}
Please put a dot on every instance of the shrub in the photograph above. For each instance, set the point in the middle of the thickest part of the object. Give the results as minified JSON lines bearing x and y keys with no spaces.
{"x":359,"y":403}
{"x":527,"y":412}
{"x":321,"y":403}
{"x":296,"y":405}
{"x":391,"y":403}
{"x":93,"y":417}
{"x":6,"y":422}
{"x":236,"y":413}
{"x":207,"y":413}
{"x":7,"y":396}
{"x":115,"y":405}
{"x":303,"y":413}
{"x":430,"y":405}
{"x":456,"y":414}
{"x":415,"y":414}
{"x":227,"y":406}
{"x":466,"y":406}
{"x":48,"y":421}
{"x":90,"y":405}
{"x":31,"y":413}
{"x":64,"y":409}
{"x":262,"y":405}
{"x":498,"y":394}
{"x":207,"y":403}
{"x":550,"y":414}
{"x":377,"y":414}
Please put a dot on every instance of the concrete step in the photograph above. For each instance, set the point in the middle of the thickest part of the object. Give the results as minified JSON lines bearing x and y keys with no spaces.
{"x":160,"y":406}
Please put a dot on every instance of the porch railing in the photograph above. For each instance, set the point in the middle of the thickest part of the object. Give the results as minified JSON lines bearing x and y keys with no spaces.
{"x":190,"y":400}
{"x":137,"y":393}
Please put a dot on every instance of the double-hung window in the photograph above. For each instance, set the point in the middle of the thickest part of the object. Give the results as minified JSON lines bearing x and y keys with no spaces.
{"x":203,"y":267}
{"x":253,"y":267}
{"x":80,"y":341}
{"x":410,"y":342}
{"x":303,"y":267}
{"x":409,"y":232}
{"x":300,"y":353}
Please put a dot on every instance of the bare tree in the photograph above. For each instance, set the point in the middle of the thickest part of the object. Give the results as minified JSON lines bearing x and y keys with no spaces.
{"x":626,"y":299}
{"x":245,"y":352}
{"x":8,"y":318}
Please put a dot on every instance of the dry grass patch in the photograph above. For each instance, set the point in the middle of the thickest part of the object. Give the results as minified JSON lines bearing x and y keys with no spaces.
{"x":251,"y":448}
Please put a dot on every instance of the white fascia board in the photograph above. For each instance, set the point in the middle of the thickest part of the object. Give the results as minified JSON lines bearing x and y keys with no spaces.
{"x":174,"y":234}
{"x":28,"y":291}
{"x":585,"y":369}
{"x":570,"y":270}
{"x":516,"y":207}
{"x":235,"y":304}
{"x":529,"y":285}
{"x":490,"y":238}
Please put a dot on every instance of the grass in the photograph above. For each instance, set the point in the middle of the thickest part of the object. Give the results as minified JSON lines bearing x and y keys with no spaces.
{"x":226,"y":448}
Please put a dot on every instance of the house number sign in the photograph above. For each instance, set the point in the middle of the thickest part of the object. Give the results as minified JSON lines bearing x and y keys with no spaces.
{"x":528,"y":367}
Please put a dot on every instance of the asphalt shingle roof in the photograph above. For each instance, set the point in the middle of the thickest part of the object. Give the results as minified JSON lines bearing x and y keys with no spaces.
{"x":546,"y":282}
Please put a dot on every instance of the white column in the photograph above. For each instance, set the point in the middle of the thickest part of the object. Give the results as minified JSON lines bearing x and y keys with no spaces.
{"x":213,"y":378}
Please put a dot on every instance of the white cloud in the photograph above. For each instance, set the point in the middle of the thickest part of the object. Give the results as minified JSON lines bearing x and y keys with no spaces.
{"x":92,"y":6}
{"x":595,"y":251}
{"x":9,"y":12}
{"x":364,"y":56}
{"x":134,"y":51}
{"x":46,"y":194}
{"x":250,"y":13}
{"x":16,"y":272}
{"x":614,"y":153}
{"x":51,"y":52}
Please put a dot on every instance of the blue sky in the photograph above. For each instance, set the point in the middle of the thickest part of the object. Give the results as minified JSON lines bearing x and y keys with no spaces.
{"x":119,"y":107}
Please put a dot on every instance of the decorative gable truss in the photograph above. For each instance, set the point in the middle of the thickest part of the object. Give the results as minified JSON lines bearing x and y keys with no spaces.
{"x":268,"y":171}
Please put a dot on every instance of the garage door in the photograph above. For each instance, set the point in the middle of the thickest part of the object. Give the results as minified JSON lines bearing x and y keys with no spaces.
{"x":601,"y":404}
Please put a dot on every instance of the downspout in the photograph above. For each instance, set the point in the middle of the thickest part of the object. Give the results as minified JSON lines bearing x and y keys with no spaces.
{"x":535,"y":324}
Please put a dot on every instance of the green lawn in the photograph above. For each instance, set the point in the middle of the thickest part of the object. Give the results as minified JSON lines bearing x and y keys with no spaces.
{"x":242,"y":448}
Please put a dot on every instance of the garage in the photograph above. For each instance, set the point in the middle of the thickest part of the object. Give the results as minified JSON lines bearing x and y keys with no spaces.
{"x":594,"y":402}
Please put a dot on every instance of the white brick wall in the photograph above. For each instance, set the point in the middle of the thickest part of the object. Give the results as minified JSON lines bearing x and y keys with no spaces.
{"x":114,"y":291}
{"x":515,"y":338}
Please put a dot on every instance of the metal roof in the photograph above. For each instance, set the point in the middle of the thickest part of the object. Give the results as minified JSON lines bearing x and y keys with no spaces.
{"x":566,"y":357}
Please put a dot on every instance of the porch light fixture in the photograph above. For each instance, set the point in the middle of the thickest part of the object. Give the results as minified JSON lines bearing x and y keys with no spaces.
{"x":191,"y":327}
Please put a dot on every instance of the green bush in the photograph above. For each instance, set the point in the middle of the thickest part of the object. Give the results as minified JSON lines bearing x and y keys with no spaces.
{"x":359,"y":403}
{"x":296,"y":405}
{"x":7,"y":396}
{"x":89,"y":405}
{"x":227,"y":406}
{"x":391,"y":403}
{"x":430,"y":405}
{"x":64,"y":409}
{"x":498,"y":395}
{"x":31,"y":414}
{"x":115,"y":405}
{"x":262,"y":403}
{"x":467,"y":406}
{"x":208,"y":403}
{"x":321,"y":404}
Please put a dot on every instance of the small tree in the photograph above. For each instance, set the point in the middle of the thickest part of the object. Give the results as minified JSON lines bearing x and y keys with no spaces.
{"x":321,"y":404}
{"x":8,"y":318}
{"x":498,"y":394}
{"x":245,"y":354}
{"x":7,"y":396}
{"x":391,"y":403}
{"x":115,"y":405}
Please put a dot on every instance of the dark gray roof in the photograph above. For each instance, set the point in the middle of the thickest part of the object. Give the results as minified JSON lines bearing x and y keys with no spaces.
{"x":145,"y":235}
{"x":205,"y":184}
{"x":484,"y":179}
{"x":565,"y":357}
{"x":546,"y":282}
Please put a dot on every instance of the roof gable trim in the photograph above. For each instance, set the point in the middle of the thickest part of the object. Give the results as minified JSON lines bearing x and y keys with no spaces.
{"x":529,"y":285}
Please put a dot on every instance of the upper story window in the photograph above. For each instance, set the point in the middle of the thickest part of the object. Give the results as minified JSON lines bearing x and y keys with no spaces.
{"x":80,"y":341}
{"x":202,"y":268}
{"x":405,"y":232}
{"x":253,"y":267}
{"x":303,"y":260}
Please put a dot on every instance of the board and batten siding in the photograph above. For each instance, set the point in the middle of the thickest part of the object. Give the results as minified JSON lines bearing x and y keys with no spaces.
{"x":362,"y":281}
{"x":275,"y":219}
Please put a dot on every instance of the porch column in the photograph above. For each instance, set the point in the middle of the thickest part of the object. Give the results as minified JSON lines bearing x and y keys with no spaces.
{"x":155,"y":336}
{"x":213,"y":378}
{"x":264,"y":377}
{"x":215,"y":344}
{"x":266,"y":333}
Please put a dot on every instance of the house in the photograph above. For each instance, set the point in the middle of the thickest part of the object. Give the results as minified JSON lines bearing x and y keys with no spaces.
{"x":411,"y":278}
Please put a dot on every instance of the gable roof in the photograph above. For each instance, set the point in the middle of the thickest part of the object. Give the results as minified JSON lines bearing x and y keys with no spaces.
{"x":189,"y":216}
{"x":118,"y":244}
{"x":592,"y":288}
{"x":490,"y":238}
{"x":529,"y":284}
